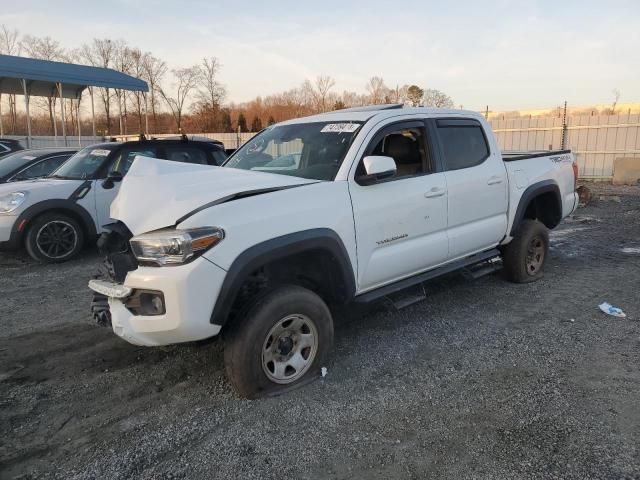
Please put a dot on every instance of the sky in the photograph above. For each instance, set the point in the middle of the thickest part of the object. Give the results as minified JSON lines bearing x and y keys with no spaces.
{"x":506,"y":54}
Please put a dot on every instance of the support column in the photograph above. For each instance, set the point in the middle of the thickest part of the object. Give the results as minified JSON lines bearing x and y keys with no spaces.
{"x":120,"y":116}
{"x":64,"y":121}
{"x":26,"y":106}
{"x":146,"y":114}
{"x":78,"y":120}
{"x":93,"y":113}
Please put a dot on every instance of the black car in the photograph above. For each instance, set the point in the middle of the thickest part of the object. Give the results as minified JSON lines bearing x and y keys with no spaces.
{"x":28,"y":164}
{"x":8,"y":146}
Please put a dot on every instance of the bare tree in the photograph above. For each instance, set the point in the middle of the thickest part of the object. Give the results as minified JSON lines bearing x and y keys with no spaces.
{"x":377,"y":90}
{"x":210,"y":91}
{"x":436,"y":98}
{"x":124,"y":60}
{"x":616,"y":97}
{"x":324,"y":83}
{"x":415,"y":95}
{"x":136,"y":68}
{"x":186,"y":80}
{"x":154,"y":71}
{"x":10,"y":45}
{"x":101,"y":53}
{"x":45,"y":49}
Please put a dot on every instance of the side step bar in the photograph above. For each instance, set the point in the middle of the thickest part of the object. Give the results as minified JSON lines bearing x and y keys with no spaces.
{"x":428,"y":275}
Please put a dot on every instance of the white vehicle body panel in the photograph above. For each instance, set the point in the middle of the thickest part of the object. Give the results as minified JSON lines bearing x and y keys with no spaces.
{"x":163,"y":191}
{"x":40,"y":190}
{"x":389,"y":230}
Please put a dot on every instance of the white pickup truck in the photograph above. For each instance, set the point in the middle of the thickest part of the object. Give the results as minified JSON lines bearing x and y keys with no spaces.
{"x":316,"y":213}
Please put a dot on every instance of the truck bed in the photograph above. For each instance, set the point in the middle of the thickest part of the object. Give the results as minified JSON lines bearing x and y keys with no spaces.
{"x":511,"y":156}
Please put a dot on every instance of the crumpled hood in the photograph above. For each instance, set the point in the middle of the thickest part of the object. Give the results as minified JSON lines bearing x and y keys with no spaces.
{"x":157,"y":193}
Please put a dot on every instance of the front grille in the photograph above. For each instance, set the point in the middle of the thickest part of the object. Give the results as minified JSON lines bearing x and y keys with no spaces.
{"x":114,"y":246}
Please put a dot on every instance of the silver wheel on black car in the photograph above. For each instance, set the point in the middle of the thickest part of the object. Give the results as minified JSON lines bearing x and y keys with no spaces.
{"x":53,"y":238}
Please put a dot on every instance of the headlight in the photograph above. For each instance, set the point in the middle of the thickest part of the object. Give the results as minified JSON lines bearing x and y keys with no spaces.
{"x":174,"y":247}
{"x":11,"y":201}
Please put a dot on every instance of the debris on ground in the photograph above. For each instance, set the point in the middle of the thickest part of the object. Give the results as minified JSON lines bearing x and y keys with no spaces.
{"x":584,"y":194}
{"x":611,"y":310}
{"x":323,"y":372}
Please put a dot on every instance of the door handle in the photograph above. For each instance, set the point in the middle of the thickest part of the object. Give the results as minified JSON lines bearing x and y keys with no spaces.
{"x":435,"y":192}
{"x":494,"y":180}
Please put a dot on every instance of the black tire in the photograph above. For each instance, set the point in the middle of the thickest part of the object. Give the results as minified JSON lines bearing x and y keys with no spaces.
{"x":525,"y":256}
{"x":248,"y":343}
{"x":54,"y":238}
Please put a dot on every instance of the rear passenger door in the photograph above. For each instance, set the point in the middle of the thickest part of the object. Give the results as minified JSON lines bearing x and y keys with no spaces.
{"x":477,"y":187}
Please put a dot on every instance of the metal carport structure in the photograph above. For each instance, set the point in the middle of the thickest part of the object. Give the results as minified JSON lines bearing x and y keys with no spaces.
{"x":33,"y":77}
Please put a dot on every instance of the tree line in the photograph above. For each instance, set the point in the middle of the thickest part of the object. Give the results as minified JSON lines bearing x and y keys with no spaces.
{"x":190,"y":99}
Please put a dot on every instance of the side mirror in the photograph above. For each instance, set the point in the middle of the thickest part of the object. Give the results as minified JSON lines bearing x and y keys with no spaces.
{"x":111,"y":179}
{"x":378,"y":168}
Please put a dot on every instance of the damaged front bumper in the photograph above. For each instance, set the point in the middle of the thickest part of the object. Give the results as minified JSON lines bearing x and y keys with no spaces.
{"x":188,"y":292}
{"x":109,"y":289}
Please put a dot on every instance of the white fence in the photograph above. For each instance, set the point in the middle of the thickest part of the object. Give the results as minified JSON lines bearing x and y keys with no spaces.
{"x":51,"y":141}
{"x":597,"y":140}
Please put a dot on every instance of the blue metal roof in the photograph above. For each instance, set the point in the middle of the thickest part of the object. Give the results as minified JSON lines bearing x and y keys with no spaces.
{"x":42,"y":76}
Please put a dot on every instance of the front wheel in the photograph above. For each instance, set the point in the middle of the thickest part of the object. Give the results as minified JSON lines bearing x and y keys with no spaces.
{"x":54,"y":238}
{"x":280,"y":342}
{"x":525,"y":256}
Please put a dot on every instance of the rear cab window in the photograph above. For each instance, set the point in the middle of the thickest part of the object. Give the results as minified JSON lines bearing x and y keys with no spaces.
{"x":463,"y":143}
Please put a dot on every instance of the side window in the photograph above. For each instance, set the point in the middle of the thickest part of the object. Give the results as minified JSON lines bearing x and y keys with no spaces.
{"x":463,"y":142}
{"x":125,"y":159}
{"x":217,"y":157}
{"x":186,"y":154}
{"x":406,"y":144}
{"x":43,"y":168}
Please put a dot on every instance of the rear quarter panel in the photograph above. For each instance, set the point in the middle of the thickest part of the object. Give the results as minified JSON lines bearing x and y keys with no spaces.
{"x":524,"y":173}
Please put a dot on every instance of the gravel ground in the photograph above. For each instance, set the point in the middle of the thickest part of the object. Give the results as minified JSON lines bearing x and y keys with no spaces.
{"x":484,"y":379}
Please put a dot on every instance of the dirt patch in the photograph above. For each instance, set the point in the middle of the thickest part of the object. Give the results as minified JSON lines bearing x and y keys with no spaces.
{"x":484,"y":379}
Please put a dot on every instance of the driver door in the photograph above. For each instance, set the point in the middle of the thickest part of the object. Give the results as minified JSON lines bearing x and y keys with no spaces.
{"x":401,"y":222}
{"x":121,"y":163}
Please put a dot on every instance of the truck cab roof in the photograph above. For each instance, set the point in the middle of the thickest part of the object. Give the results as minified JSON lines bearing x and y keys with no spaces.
{"x":365,"y":113}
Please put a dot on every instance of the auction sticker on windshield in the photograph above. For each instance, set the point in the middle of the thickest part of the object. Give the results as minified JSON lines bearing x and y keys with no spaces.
{"x":340,"y":127}
{"x":100,"y":152}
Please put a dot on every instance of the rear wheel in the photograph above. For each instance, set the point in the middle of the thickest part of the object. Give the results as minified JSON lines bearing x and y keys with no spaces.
{"x":53,"y":238}
{"x":525,"y":256}
{"x":280,"y":342}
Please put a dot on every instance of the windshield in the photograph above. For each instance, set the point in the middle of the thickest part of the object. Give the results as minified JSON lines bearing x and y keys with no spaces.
{"x":15,"y":161}
{"x":85,"y":163}
{"x":307,"y":150}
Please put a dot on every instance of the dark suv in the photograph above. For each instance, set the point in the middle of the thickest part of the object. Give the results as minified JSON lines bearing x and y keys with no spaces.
{"x":54,"y":217}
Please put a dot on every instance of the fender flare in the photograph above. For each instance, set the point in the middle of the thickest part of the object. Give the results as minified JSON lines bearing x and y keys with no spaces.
{"x":279,"y":248}
{"x":532,"y":191}
{"x":53,"y":204}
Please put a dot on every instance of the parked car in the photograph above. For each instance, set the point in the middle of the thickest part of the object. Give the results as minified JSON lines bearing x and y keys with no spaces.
{"x":372,"y":201}
{"x":54,"y":217}
{"x":8,"y":146}
{"x":30,"y":164}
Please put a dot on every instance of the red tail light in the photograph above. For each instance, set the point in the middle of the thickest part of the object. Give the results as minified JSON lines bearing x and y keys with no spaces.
{"x":575,"y":174}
